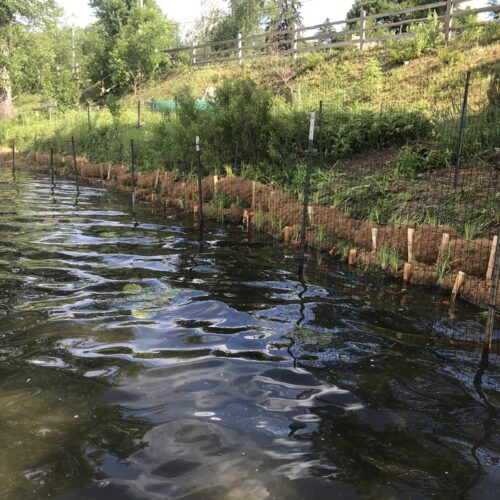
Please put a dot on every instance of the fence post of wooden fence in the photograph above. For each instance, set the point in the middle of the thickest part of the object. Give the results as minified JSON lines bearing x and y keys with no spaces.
{"x":295,"y":41}
{"x":200,"y":177}
{"x":240,"y":49}
{"x":307,"y":187}
{"x":461,"y":136}
{"x":448,"y":20}
{"x":362,"y":30}
{"x":193,"y":54}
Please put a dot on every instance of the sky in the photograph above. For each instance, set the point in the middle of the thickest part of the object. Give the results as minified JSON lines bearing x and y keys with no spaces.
{"x":186,"y":11}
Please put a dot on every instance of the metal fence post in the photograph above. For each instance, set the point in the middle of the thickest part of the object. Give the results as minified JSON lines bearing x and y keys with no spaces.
{"x":362,"y":28}
{"x":295,"y":42}
{"x":75,"y":169}
{"x":463,"y":122}
{"x":52,"y":165}
{"x":307,"y":187}
{"x":320,"y":138}
{"x":448,"y":20}
{"x":14,"y":159}
{"x":240,"y":49}
{"x":200,"y":177}
{"x":132,"y":164}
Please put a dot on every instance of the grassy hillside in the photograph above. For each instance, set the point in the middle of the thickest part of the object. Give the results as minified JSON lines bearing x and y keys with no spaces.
{"x":376,"y":100}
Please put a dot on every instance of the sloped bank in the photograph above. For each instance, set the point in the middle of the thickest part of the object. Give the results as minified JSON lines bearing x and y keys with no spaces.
{"x":437,"y":253}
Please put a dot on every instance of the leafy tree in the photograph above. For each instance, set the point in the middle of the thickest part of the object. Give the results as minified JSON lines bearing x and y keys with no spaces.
{"x":240,"y":16}
{"x":378,"y":6}
{"x":17,"y":19}
{"x":130,"y":37}
{"x":328,"y":32}
{"x":493,"y":3}
{"x":283,"y":14}
{"x":138,"y":54}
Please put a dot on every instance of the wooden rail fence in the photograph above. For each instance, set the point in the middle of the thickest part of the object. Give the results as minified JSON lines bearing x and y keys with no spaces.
{"x":363,"y":31}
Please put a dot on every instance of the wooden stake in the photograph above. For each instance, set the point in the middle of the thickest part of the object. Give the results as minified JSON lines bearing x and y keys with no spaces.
{"x":445,"y":245}
{"x":36,"y":159}
{"x":287,"y":234}
{"x":407,"y":271}
{"x":157,"y":179}
{"x":216,"y":181}
{"x":310,"y":214}
{"x":353,"y":254}
{"x":411,"y":234}
{"x":254,"y":186}
{"x":458,"y":284}
{"x":109,"y":172}
{"x":491,"y":262}
{"x":195,"y":208}
{"x":374,"y":238}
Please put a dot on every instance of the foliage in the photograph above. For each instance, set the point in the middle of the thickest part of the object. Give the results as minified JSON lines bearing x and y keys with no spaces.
{"x":130,"y":42}
{"x":427,"y":35}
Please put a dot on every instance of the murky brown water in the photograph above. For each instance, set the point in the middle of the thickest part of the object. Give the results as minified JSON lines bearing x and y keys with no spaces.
{"x":137,"y":363}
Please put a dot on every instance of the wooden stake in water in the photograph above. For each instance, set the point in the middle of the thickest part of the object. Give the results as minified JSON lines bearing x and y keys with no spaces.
{"x":374,"y":238}
{"x":491,"y":261}
{"x":458,"y":284}
{"x":495,"y":284}
{"x":407,"y":271}
{"x":411,"y":234}
{"x":200,"y":176}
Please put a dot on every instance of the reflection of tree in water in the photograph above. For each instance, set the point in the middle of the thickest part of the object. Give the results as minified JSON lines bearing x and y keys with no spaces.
{"x":414,"y":432}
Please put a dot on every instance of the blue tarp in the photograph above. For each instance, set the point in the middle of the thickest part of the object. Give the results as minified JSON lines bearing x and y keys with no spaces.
{"x":171,"y":105}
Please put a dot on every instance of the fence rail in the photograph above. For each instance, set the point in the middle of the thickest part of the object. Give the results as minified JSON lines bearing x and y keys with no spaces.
{"x":363,"y":31}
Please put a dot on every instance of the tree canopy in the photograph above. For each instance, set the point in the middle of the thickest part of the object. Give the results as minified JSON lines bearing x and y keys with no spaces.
{"x":18,"y":20}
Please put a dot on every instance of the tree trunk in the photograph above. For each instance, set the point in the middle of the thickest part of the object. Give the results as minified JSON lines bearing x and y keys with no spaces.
{"x":6,"y":107}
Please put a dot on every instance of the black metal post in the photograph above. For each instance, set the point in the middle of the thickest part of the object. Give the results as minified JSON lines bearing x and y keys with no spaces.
{"x":320,"y":138}
{"x":132,"y":162}
{"x":52,"y":164}
{"x":307,"y":187}
{"x":75,"y":169}
{"x":200,"y":177}
{"x":13,"y":159}
{"x":463,"y":122}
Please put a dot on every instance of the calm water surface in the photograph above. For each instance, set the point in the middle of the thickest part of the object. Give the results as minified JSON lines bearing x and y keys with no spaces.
{"x":137,"y":363}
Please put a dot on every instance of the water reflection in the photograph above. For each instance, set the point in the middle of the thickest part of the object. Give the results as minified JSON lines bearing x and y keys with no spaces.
{"x":169,"y":360}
